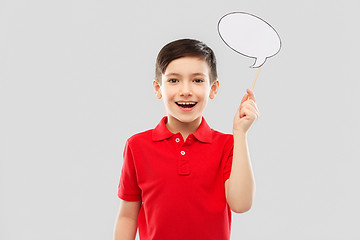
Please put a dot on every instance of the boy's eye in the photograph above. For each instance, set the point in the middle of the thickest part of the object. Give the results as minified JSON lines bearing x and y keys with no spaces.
{"x":170,"y":80}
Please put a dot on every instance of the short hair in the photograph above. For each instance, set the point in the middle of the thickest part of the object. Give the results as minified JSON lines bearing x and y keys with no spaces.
{"x":185,"y":48}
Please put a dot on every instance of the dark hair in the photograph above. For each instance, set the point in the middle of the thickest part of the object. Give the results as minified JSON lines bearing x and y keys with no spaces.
{"x":184,"y":48}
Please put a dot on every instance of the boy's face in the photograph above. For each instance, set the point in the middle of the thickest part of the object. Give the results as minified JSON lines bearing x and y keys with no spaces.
{"x":186,"y":79}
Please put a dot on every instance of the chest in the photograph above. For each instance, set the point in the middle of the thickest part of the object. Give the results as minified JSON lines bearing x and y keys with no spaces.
{"x":194,"y":165}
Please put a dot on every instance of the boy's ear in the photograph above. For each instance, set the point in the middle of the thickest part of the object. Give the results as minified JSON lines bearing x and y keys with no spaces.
{"x":214,"y":89}
{"x":157,"y":89}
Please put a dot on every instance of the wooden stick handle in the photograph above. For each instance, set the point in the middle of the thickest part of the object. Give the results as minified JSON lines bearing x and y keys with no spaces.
{"x":257,"y":74}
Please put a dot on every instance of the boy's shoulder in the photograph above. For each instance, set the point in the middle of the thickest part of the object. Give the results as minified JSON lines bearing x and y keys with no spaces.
{"x":140,"y":136}
{"x":217,"y":135}
{"x":222,"y":134}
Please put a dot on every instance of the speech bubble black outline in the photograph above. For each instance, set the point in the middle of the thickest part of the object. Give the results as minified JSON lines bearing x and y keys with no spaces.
{"x":245,"y":54}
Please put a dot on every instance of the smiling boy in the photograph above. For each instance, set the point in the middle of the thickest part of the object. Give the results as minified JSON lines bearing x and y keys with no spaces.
{"x":181,"y":179}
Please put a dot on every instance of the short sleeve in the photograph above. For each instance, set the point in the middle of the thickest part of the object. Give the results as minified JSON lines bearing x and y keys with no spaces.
{"x":128,"y":188}
{"x":228,"y":159}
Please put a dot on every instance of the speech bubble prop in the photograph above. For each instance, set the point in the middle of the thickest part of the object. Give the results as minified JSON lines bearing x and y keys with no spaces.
{"x":250,"y":36}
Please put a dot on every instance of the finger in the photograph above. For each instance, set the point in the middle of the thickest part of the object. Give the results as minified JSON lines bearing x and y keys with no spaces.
{"x":251,"y":94}
{"x":250,"y":108}
{"x":242,"y":112}
{"x":244,"y":98}
{"x":249,"y":114}
{"x":252,"y":103}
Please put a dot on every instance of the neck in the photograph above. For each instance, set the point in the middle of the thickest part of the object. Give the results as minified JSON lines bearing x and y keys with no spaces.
{"x":185,"y":128}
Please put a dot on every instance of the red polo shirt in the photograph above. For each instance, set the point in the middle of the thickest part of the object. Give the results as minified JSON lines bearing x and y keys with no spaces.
{"x":181,"y":184}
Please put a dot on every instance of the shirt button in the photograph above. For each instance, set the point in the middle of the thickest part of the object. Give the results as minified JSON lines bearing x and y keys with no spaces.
{"x":177,"y":139}
{"x":182,"y":152}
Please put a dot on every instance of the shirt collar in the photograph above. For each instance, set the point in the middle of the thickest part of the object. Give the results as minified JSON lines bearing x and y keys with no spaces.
{"x":161,"y":132}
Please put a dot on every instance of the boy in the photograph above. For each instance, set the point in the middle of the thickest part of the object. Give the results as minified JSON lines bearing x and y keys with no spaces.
{"x":181,"y":179}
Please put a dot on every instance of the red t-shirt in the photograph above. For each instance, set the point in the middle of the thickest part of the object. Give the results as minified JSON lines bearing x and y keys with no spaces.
{"x":181,"y":184}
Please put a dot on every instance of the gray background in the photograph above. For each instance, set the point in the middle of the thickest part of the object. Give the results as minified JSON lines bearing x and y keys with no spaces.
{"x":76,"y":82}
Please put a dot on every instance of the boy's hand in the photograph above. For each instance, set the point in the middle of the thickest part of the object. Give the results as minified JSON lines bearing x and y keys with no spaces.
{"x":246,"y":113}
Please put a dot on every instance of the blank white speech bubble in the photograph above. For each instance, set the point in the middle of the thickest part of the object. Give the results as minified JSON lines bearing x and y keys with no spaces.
{"x":250,"y":36}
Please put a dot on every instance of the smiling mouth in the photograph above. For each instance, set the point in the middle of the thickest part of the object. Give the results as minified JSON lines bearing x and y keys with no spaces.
{"x":186,"y":105}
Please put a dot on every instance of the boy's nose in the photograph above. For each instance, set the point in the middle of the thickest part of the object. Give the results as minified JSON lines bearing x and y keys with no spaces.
{"x":185,"y":93}
{"x":185,"y":90}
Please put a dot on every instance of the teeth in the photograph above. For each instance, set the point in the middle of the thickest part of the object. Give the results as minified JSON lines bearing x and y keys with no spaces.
{"x":185,"y":103}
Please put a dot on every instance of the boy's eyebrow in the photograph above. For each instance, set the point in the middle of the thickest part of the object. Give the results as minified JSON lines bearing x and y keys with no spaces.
{"x":177,"y":74}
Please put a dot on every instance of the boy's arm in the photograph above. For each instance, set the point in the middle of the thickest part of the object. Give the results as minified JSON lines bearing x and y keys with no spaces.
{"x":126,"y":222}
{"x":240,"y":187}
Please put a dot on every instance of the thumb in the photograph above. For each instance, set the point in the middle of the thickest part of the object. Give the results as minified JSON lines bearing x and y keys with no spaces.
{"x":244,"y":98}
